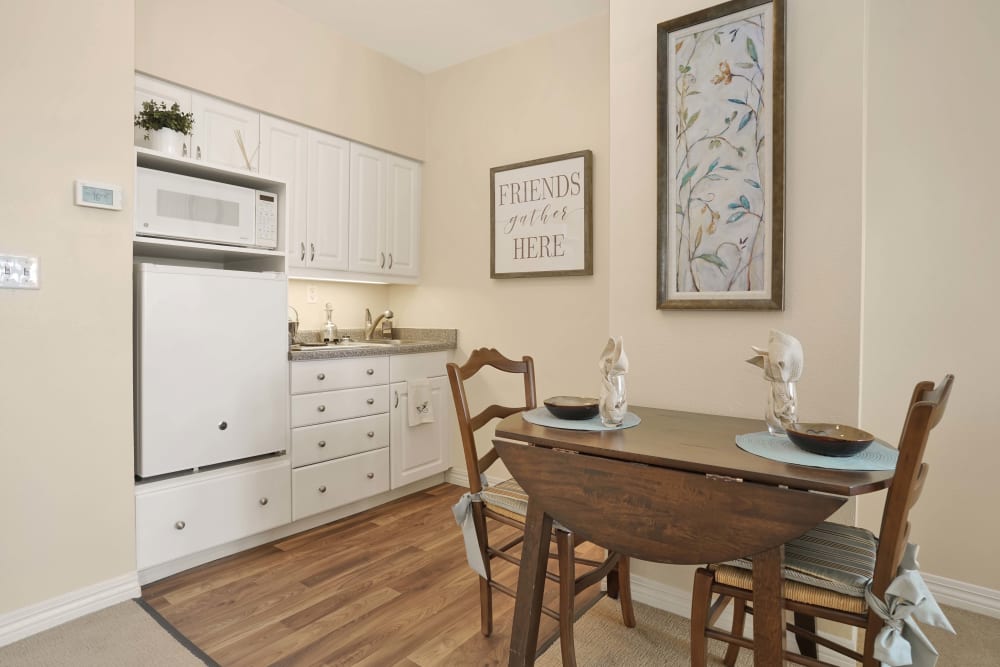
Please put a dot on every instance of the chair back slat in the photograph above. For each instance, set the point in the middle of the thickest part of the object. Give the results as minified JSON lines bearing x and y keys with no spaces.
{"x":469,"y":424}
{"x":927,"y":406}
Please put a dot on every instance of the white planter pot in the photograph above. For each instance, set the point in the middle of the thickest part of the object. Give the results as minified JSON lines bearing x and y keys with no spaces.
{"x":167,"y":141}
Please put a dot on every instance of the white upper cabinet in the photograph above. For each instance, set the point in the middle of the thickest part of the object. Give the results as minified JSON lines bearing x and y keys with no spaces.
{"x":284,"y":157}
{"x":385,"y":213}
{"x":328,"y":195}
{"x":218,"y":127}
{"x":148,"y":88}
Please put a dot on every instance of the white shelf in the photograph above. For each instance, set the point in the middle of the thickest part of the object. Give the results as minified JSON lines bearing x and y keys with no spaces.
{"x":151,"y":159}
{"x":253,"y":259}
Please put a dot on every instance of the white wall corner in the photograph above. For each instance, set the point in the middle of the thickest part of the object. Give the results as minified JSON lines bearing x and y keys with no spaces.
{"x":31,"y":620}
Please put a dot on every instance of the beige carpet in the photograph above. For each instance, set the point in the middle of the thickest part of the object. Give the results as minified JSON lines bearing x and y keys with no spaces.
{"x":661,"y":639}
{"x":120,"y":636}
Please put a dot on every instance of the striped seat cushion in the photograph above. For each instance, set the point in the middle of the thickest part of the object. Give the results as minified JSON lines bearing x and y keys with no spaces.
{"x":831,"y":556}
{"x":506,"y":498}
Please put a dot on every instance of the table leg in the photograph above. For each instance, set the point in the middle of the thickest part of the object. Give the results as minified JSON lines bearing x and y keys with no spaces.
{"x":768,"y":612}
{"x":530,"y":586}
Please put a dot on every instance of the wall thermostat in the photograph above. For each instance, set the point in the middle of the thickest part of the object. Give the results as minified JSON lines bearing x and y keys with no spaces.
{"x":98,"y":195}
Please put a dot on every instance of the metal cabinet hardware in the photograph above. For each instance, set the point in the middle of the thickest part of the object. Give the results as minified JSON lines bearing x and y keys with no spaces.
{"x":312,"y":251}
{"x":371,"y":475}
{"x":370,"y":371}
{"x":180,"y":525}
{"x":370,"y":401}
{"x":381,"y":263}
{"x":321,"y":377}
{"x":371,"y":434}
{"x":396,"y":402}
{"x":321,"y":408}
{"x":223,"y":426}
{"x":263,"y":501}
{"x":321,"y":443}
{"x":322,"y":489}
{"x":302,"y":252}
{"x":390,"y":260}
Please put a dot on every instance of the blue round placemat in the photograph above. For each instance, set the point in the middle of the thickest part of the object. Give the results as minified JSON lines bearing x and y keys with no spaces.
{"x":877,"y":456}
{"x":543,"y":417}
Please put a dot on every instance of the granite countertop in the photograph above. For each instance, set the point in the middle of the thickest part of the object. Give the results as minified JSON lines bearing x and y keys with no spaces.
{"x":411,"y":341}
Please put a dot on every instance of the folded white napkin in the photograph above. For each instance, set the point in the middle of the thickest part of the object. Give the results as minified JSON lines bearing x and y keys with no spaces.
{"x":613,"y":359}
{"x":420,"y":408}
{"x":782,"y":359}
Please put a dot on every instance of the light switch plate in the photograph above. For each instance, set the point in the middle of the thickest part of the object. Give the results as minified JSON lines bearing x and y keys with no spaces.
{"x":17,"y":272}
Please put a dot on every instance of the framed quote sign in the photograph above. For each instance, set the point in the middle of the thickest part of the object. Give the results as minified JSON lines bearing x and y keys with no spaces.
{"x":541,"y":217}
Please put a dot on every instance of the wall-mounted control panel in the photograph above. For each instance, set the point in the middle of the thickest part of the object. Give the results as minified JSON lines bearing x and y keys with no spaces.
{"x":98,"y":195}
{"x":18,"y":272}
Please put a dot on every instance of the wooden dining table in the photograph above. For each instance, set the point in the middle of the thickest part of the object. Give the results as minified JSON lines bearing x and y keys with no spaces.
{"x":673,"y":489}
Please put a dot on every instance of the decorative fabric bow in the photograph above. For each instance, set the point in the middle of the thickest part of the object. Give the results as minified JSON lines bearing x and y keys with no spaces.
{"x":463,"y":517}
{"x":907,"y":600}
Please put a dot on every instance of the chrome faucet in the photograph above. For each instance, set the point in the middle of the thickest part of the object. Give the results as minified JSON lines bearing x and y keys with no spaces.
{"x":370,"y":326}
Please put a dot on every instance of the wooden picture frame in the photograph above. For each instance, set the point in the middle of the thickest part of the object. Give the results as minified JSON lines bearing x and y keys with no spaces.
{"x":720,"y":158}
{"x":541,"y":217}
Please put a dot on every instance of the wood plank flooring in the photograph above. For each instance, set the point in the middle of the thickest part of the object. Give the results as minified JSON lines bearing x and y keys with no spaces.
{"x":389,"y":586}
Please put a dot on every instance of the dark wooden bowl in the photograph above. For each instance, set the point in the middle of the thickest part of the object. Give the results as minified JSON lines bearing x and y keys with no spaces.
{"x":829,"y":439}
{"x":571,"y":407}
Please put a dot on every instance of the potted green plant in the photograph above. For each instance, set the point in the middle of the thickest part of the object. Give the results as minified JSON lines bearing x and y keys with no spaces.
{"x":164,"y":127}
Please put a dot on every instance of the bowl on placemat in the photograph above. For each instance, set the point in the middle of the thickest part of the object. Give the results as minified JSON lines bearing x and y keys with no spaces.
{"x":571,"y":407}
{"x":829,"y":439}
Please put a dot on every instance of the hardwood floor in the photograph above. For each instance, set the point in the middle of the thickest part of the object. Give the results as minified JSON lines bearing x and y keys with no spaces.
{"x":389,"y":586}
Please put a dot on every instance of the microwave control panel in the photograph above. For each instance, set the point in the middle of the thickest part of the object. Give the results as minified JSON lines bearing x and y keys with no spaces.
{"x":266,"y":232}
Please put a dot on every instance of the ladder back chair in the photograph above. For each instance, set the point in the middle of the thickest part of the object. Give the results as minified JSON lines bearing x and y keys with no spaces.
{"x":850,"y":557}
{"x":506,"y":503}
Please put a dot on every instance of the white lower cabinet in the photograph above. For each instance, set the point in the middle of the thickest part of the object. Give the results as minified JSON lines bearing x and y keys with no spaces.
{"x":324,"y":486}
{"x":420,"y":450}
{"x":182,"y":516}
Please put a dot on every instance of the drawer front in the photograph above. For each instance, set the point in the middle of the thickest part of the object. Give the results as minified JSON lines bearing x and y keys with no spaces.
{"x":418,"y":366}
{"x":328,"y":374}
{"x":322,"y":442}
{"x":327,"y":406}
{"x":174,"y":521}
{"x":323,"y":486}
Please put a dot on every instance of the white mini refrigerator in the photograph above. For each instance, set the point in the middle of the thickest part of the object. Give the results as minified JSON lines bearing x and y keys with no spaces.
{"x":211,"y":365}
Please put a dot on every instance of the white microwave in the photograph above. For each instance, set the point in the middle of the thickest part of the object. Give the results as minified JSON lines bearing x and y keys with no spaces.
{"x":174,"y":206}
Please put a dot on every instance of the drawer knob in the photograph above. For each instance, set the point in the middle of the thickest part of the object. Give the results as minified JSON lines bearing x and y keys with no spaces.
{"x":370,"y":401}
{"x":321,"y":443}
{"x":223,"y":426}
{"x":371,"y":434}
{"x":321,"y":408}
{"x":371,"y":475}
{"x":263,"y":501}
{"x":370,"y":371}
{"x":322,"y":489}
{"x":180,"y":525}
{"x":321,"y":376}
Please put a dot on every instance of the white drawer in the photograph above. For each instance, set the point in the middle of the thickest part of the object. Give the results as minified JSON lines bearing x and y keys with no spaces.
{"x":323,"y":486}
{"x":327,"y":374}
{"x":313,"y":444}
{"x":180,"y":517}
{"x":308,"y":409}
{"x":418,"y":366}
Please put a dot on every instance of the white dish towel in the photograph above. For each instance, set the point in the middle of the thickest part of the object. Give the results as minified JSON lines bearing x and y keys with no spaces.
{"x":420,"y":408}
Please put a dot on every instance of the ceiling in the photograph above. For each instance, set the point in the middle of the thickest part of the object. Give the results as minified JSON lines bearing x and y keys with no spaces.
{"x":429,"y":35}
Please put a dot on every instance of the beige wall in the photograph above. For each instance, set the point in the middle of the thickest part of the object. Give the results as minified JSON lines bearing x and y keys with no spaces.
{"x":266,"y":56}
{"x":695,"y":360}
{"x":544,"y":97}
{"x":931,"y":271}
{"x":66,"y":507}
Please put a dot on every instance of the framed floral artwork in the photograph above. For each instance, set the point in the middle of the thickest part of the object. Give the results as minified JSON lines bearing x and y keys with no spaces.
{"x":720,"y":158}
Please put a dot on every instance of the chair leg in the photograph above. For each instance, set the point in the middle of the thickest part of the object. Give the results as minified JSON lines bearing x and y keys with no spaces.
{"x":485,"y":590}
{"x":701,"y":597}
{"x":871,"y":632}
{"x":739,"y":622}
{"x":807,"y":647}
{"x":567,"y":592}
{"x":623,"y":584}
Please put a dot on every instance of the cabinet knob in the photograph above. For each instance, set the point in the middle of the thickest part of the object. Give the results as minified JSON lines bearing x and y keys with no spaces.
{"x":321,"y":377}
{"x":321,"y":443}
{"x":263,"y":501}
{"x":223,"y":426}
{"x":371,"y":475}
{"x":322,"y":489}
{"x":321,"y":408}
{"x":371,"y":434}
{"x":180,"y":525}
{"x":370,"y":401}
{"x":370,"y":371}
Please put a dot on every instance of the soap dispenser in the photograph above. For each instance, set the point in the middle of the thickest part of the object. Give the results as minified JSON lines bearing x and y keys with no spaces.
{"x":329,"y":329}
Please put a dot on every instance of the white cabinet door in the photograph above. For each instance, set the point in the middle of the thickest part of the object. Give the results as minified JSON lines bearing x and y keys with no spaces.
{"x":216,"y":124}
{"x":328,"y":192}
{"x":368,"y":188}
{"x":283,"y":157}
{"x":416,"y":452}
{"x":147,"y":88}
{"x":403,"y":217}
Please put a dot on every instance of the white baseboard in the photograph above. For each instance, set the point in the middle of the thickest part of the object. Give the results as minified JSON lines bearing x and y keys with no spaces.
{"x":461,"y":478}
{"x":959,"y":594}
{"x":162,"y":570}
{"x":30,"y":620}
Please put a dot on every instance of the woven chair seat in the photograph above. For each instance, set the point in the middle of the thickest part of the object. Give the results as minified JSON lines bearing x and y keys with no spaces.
{"x":507,"y":499}
{"x":829,"y":566}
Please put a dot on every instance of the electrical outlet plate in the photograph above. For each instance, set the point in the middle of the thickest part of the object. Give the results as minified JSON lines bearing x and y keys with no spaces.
{"x":311,"y":296}
{"x":17,"y":272}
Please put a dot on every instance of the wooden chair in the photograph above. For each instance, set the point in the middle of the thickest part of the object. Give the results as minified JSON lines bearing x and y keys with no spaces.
{"x":506,"y":503}
{"x":852,"y":556}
